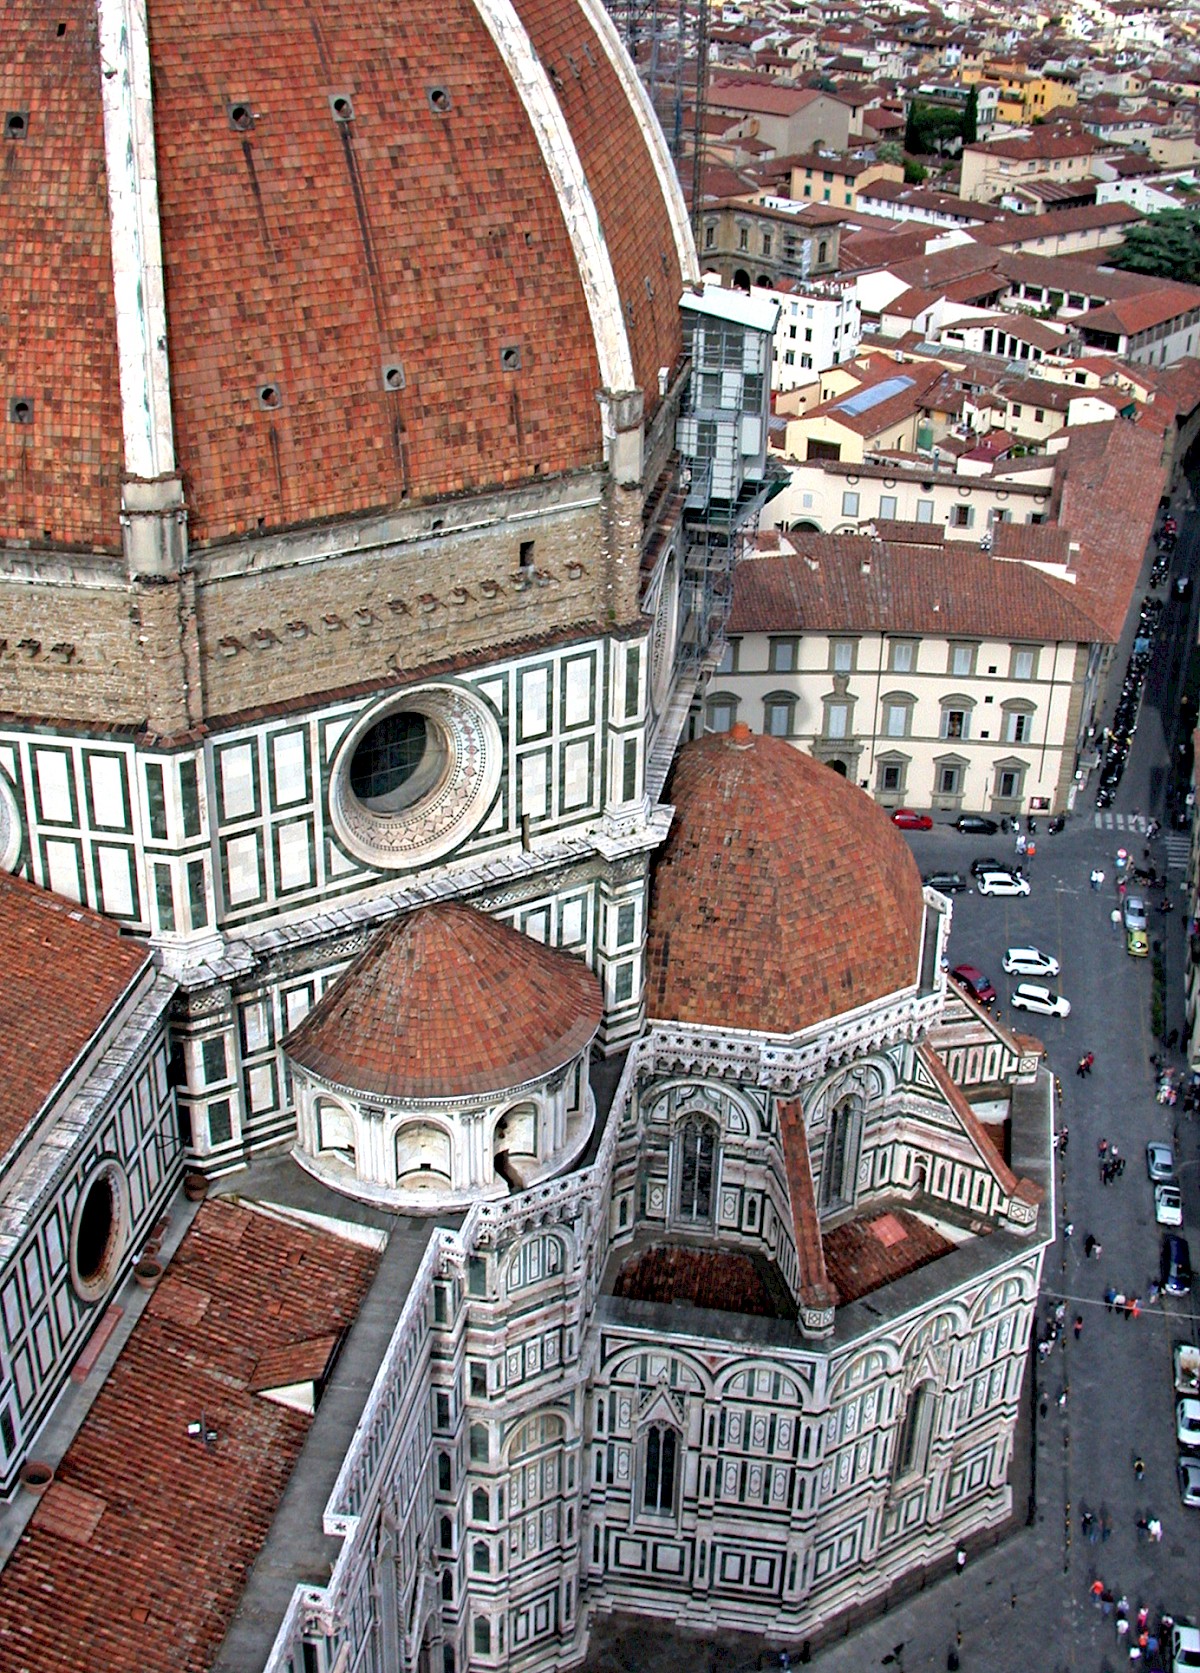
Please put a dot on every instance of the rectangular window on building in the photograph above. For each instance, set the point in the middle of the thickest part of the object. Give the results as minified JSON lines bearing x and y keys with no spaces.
{"x":1018,"y":725}
{"x":214,"y":1058}
{"x":949,"y":779}
{"x":777,"y":717}
{"x":710,"y":236}
{"x":1023,"y":662}
{"x":633,"y":680}
{"x":901,"y":656}
{"x":197,"y":901}
{"x":220,"y":1123}
{"x":924,"y":511}
{"x":729,"y":657}
{"x":164,"y":897}
{"x":623,"y":984}
{"x":626,"y":923}
{"x":849,"y":503}
{"x":962,"y":516}
{"x":837,"y":719}
{"x":629,"y":770}
{"x":895,"y":719}
{"x":962,"y":659}
{"x":189,"y":798}
{"x":782,"y":656}
{"x":1008,"y":784}
{"x":887,"y":506}
{"x":156,"y":802}
{"x":891,"y":778}
{"x":841,"y":655}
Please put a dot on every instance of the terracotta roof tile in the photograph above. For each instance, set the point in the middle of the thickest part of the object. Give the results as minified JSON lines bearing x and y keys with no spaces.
{"x":307,"y":253}
{"x":448,"y":1002}
{"x":178,"y":1525}
{"x":64,"y":969}
{"x":722,"y":1279}
{"x":60,"y":474}
{"x":815,"y":1288}
{"x":860,"y":1260}
{"x":783,"y":895}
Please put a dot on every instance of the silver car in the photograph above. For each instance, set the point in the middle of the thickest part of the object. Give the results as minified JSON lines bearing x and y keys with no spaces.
{"x":1160,"y":1163}
{"x":1135,"y":912}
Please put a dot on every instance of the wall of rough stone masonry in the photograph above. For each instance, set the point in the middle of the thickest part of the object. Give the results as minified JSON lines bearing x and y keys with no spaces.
{"x":70,"y":652}
{"x":295,"y":632}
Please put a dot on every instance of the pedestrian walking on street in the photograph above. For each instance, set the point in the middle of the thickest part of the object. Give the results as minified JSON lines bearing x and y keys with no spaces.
{"x":1096,"y":879}
{"x":1139,"y":1467}
{"x":1077,"y":1327}
{"x":1110,"y":1297}
{"x":1081,"y":1067}
{"x":1102,"y":1148}
{"x":1115,"y":917}
{"x":1089,"y":1058}
{"x":960,"y":1560}
{"x":1097,"y":1591}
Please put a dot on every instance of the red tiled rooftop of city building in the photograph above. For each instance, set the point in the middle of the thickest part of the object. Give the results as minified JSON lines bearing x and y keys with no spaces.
{"x":448,"y":1002}
{"x":847,"y":582}
{"x":723,"y":1279}
{"x":136,"y":1556}
{"x":62,"y":971}
{"x":783,"y":895}
{"x":859,"y":1259}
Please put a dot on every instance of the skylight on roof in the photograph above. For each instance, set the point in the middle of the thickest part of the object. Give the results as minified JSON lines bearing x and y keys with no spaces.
{"x":865,"y":399}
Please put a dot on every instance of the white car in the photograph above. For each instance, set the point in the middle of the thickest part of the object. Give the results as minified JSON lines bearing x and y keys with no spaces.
{"x":1187,"y":1422}
{"x":1168,"y":1205}
{"x":1002,"y":883}
{"x":1028,"y":961}
{"x":1028,"y":996}
{"x":1185,"y":1649}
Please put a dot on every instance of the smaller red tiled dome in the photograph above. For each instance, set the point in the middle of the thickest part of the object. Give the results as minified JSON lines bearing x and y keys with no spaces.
{"x":783,"y":895}
{"x":448,"y":1003}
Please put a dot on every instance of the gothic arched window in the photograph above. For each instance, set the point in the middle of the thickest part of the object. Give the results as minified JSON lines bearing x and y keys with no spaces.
{"x":697,"y":1152}
{"x":658,"y":1476}
{"x":839,"y":1164}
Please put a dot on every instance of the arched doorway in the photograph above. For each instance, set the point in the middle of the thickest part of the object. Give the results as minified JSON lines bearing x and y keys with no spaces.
{"x":741,"y":280}
{"x":838,"y":766}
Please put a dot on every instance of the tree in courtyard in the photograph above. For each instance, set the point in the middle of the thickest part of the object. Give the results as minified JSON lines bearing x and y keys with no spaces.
{"x":1166,"y":245}
{"x":890,"y":152}
{"x":970,"y":131}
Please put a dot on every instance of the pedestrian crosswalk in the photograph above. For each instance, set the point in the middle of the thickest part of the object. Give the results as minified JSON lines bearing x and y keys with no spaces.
{"x":1107,"y":821}
{"x":1179,"y":848}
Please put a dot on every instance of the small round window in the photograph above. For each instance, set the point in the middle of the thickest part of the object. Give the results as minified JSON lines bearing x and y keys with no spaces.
{"x":100,"y":1232}
{"x":416,"y":775}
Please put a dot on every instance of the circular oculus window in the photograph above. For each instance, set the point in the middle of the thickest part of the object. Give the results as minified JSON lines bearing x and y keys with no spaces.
{"x":415,"y":776}
{"x":100,"y":1231}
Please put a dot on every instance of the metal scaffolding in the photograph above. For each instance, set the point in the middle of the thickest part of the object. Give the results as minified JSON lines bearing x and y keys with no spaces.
{"x":668,"y":42}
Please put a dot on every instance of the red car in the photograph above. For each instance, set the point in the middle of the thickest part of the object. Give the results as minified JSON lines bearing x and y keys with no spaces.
{"x":975,"y":982}
{"x":909,"y":820}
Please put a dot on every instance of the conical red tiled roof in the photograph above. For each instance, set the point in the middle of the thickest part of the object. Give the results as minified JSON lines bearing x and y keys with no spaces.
{"x":446,"y":1003}
{"x":783,"y":896}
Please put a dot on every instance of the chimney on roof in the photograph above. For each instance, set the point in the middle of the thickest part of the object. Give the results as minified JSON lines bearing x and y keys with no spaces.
{"x":740,"y":736}
{"x":812,"y":562}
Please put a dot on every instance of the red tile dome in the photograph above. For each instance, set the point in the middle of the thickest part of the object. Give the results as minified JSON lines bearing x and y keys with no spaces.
{"x":402,"y":249}
{"x":448,"y":1003}
{"x":783,"y":895}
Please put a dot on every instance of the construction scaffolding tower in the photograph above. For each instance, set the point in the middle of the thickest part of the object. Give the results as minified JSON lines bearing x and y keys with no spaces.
{"x":668,"y":42}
